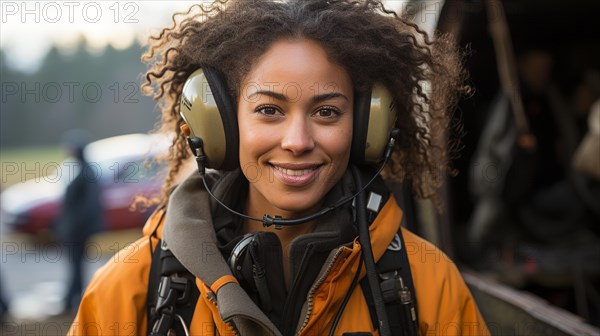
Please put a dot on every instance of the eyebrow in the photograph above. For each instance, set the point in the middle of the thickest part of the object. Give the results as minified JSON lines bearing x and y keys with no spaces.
{"x":282,"y":97}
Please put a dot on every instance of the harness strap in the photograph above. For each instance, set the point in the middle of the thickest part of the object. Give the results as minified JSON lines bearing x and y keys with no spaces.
{"x":172,"y":294}
{"x":397,"y":288}
{"x":153,"y":283}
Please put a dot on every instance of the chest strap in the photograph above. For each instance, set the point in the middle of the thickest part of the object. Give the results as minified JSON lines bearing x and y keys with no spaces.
{"x":397,"y":288}
{"x":172,"y":294}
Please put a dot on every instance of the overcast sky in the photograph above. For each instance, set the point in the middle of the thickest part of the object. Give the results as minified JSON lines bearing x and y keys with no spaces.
{"x":29,"y":28}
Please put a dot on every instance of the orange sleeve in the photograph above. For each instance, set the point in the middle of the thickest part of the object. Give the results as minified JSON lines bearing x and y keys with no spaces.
{"x":445,"y":304}
{"x":115,"y":301}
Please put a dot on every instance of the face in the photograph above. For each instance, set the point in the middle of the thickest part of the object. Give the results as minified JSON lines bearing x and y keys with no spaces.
{"x":295,"y":122}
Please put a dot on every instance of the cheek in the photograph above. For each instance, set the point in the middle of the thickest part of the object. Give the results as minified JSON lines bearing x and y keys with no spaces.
{"x":341,"y":142}
{"x":337,"y":144}
{"x":254,"y":141}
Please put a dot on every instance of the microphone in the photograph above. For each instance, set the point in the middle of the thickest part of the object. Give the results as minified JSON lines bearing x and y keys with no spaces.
{"x":197,"y":146}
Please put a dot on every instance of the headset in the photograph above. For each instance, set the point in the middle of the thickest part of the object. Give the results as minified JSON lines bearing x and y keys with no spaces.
{"x":211,"y":127}
{"x":210,"y":114}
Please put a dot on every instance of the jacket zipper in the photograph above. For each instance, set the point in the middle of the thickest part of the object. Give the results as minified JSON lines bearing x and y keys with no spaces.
{"x":315,"y":286}
{"x":293,"y":294}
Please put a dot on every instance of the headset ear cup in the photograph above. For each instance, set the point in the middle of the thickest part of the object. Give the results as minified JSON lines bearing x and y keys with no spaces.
{"x":360,"y":126}
{"x":210,"y":114}
{"x":374,"y":117}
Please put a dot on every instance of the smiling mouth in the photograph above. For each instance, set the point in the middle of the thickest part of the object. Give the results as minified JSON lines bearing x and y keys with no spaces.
{"x":296,"y":174}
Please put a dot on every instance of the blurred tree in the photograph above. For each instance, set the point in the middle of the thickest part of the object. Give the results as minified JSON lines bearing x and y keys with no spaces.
{"x":98,"y":91}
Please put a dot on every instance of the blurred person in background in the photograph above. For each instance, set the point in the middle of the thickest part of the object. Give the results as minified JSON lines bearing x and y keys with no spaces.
{"x":3,"y":303}
{"x":541,"y":213}
{"x":81,"y":215}
{"x":535,"y":188}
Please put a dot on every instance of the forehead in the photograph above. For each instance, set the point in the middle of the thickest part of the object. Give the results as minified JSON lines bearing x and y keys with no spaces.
{"x":299,"y":63}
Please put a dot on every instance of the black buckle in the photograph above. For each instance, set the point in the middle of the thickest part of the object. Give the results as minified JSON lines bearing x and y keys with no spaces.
{"x":172,"y":290}
{"x":393,"y":288}
{"x":163,"y":324}
{"x":183,"y":286}
{"x":393,"y":291}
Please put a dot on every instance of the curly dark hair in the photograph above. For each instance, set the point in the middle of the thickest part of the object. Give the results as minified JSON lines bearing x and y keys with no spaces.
{"x":372,"y":43}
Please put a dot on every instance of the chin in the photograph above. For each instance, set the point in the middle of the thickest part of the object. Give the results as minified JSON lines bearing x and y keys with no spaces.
{"x":297,"y":205}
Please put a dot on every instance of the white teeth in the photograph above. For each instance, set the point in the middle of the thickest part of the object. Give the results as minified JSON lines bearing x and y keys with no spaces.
{"x":294,"y":172}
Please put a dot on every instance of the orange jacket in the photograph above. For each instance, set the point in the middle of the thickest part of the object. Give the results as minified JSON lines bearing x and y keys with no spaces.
{"x":115,"y":301}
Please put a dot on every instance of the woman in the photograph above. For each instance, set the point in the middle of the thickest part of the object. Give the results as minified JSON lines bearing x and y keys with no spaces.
{"x":277,"y":96}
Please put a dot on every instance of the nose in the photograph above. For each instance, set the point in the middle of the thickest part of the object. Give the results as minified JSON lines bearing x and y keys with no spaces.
{"x":298,"y":137}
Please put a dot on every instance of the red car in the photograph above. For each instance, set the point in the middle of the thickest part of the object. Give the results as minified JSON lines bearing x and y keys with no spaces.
{"x":120,"y":165}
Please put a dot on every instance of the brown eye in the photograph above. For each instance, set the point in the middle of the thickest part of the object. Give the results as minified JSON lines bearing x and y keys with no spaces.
{"x":267,"y":110}
{"x":327,"y":112}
